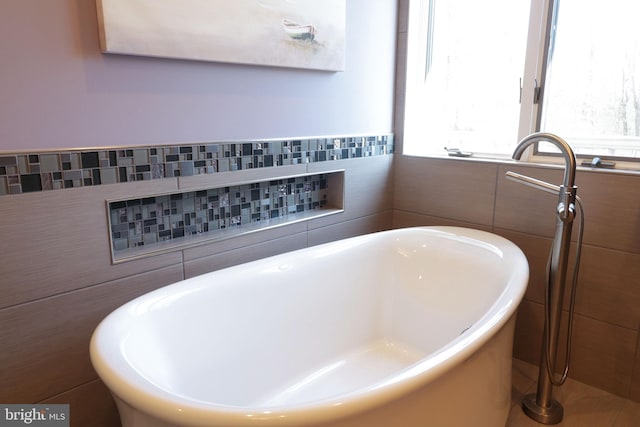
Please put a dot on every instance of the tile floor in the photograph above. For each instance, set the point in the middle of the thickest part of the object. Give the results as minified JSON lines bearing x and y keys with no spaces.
{"x":584,"y":406}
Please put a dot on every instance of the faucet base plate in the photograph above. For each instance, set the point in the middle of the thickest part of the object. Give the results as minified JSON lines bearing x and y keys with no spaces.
{"x":545,"y":415}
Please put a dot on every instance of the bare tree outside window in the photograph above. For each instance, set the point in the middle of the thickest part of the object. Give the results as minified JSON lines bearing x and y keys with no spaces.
{"x":592,"y":93}
{"x":465,"y":59}
{"x":467,"y":96}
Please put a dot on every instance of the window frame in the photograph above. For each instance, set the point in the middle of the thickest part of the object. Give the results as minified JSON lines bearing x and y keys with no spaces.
{"x":542,"y":18}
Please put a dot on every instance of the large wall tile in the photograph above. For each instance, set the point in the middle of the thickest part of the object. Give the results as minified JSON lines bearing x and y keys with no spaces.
{"x":609,"y":286}
{"x":46,"y":342}
{"x":612,"y":209}
{"x":90,"y":405}
{"x":607,"y":282}
{"x":46,"y":235}
{"x":603,"y":355}
{"x":402,"y":219}
{"x":457,"y":190}
{"x":611,"y":202}
{"x":536,"y":249}
{"x":356,"y":227}
{"x":243,"y":240}
{"x":245,"y":254}
{"x":528,"y":335}
{"x":525,"y":209}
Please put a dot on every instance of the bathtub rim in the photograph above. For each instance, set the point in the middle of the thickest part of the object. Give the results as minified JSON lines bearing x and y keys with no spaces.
{"x":161,"y":404}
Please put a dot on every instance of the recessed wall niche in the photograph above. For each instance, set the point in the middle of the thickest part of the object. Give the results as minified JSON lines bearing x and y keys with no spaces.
{"x":157,"y":223}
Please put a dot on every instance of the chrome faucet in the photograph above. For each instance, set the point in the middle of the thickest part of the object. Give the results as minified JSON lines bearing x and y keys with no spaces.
{"x":567,"y":192}
{"x":541,"y":406}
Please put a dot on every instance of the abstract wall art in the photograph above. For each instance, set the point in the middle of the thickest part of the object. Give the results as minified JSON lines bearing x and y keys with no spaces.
{"x":282,"y":33}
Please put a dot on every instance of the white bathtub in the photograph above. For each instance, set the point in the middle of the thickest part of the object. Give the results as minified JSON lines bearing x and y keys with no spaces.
{"x":410,"y":327}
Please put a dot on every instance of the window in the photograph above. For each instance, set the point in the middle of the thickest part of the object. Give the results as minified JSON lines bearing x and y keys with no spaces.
{"x":592,"y":94}
{"x":482,"y":75}
{"x":458,"y":93}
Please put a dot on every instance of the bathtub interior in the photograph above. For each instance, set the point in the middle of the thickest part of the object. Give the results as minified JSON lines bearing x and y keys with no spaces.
{"x":312,"y":325}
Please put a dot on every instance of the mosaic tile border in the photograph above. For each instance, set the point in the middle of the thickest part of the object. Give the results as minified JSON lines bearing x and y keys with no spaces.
{"x":143,"y":226}
{"x":57,"y":170}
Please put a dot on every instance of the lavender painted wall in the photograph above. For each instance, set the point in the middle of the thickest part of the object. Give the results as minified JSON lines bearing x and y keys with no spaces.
{"x":57,"y":89}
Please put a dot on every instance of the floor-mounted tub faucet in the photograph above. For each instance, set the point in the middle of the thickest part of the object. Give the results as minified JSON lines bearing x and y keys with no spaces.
{"x":567,"y":193}
{"x":541,"y":406}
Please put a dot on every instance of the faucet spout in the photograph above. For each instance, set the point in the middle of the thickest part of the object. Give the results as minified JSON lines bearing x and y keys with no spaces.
{"x":565,"y":149}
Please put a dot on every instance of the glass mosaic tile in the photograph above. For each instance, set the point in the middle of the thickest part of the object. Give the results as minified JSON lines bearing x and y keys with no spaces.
{"x":143,"y":222}
{"x":29,"y":172}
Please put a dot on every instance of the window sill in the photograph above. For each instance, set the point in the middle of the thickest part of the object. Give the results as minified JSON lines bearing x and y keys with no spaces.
{"x":622,"y":168}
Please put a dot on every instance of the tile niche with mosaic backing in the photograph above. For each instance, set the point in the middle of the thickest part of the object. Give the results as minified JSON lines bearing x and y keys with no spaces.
{"x":156,"y":223}
{"x":148,"y":225}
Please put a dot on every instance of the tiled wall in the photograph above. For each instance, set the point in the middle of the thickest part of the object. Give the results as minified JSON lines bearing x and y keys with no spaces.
{"x":606,"y":338}
{"x":607,"y":320}
{"x":29,"y":172}
{"x":58,"y":280}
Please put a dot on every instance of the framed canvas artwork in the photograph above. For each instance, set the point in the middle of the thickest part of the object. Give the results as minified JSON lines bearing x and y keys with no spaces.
{"x":281,"y":33}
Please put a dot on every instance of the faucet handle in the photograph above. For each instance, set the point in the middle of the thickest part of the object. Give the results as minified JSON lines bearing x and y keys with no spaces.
{"x":533,"y":182}
{"x":566,"y":195}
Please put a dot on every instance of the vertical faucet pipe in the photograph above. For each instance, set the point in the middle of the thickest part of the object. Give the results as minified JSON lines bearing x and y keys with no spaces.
{"x":541,"y":406}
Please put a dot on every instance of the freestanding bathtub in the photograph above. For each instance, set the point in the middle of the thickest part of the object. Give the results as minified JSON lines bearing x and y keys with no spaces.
{"x":409,"y":327}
